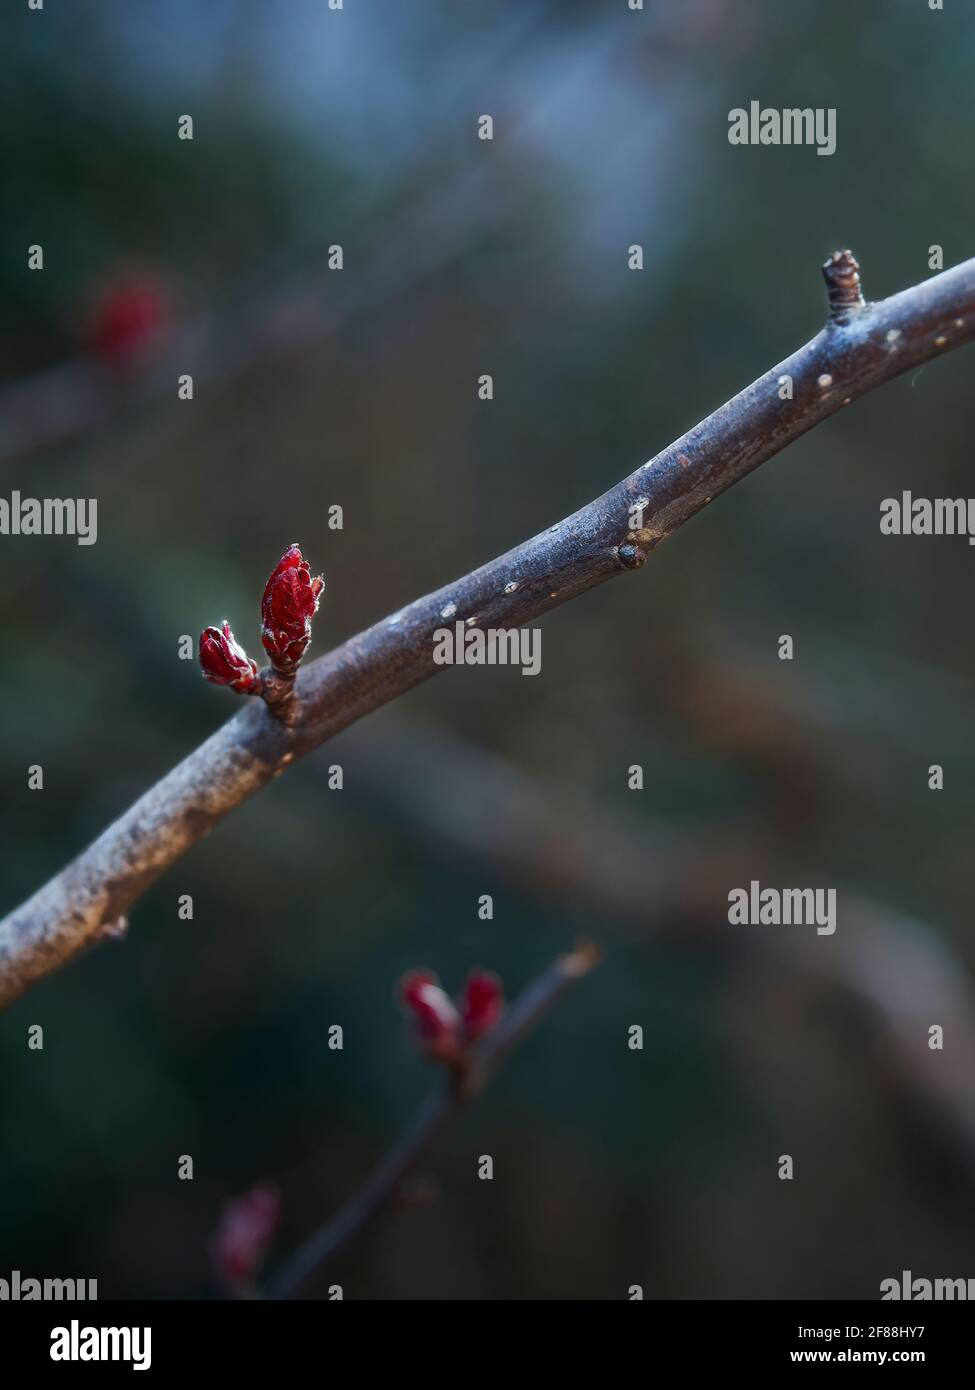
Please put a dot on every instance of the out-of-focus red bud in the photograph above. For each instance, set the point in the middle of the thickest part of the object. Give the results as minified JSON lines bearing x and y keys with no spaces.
{"x":483,"y":1003}
{"x":127,"y":317}
{"x":289,"y":603}
{"x":224,"y":660}
{"x":247,"y":1227}
{"x":435,"y":1018}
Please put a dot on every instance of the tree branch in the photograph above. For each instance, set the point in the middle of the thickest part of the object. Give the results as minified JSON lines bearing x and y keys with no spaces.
{"x":442,"y":1105}
{"x":861,"y":347}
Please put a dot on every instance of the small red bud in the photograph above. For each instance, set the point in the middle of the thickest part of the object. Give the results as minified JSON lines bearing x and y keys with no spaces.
{"x":483,"y":1003}
{"x":127,"y":317}
{"x":435,"y":1018}
{"x":224,"y":660}
{"x":246,"y":1229}
{"x":289,"y":603}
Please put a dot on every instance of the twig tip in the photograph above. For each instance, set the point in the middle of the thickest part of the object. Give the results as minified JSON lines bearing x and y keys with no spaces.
{"x":584,"y":956}
{"x":842,"y":275}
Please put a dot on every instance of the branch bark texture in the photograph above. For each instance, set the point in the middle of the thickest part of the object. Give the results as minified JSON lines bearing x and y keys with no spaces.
{"x":861,"y":347}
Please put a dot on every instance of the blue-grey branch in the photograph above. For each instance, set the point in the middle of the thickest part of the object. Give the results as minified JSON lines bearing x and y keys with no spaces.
{"x":861,"y":347}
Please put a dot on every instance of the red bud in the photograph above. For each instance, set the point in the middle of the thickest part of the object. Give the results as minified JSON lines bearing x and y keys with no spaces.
{"x":435,"y":1018}
{"x":127,"y":317}
{"x":290,"y":601}
{"x":483,"y":1003}
{"x":246,"y":1229}
{"x":224,"y":660}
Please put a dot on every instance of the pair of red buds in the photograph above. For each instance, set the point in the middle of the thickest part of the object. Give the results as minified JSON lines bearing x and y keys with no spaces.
{"x":444,"y":1030}
{"x":290,"y":601}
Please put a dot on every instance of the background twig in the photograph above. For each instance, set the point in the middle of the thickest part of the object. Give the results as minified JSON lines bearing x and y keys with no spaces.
{"x":647,"y":881}
{"x":442,"y":1105}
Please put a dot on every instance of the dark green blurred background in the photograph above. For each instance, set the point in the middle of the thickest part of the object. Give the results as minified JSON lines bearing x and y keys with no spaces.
{"x":358,"y":388}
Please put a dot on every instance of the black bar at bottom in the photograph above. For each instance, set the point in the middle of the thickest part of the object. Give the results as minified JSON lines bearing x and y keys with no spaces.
{"x":258,"y":1338}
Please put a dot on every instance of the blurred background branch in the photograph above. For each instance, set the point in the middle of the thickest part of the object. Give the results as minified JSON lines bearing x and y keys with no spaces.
{"x":650,"y":882}
{"x":383,"y":1184}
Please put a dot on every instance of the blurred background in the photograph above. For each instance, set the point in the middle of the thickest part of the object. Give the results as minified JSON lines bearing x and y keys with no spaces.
{"x":314,"y":387}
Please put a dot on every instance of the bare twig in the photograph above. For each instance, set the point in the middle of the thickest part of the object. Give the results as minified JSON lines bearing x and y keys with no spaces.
{"x":607,"y":537}
{"x":441,"y":1106}
{"x":643,"y":880}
